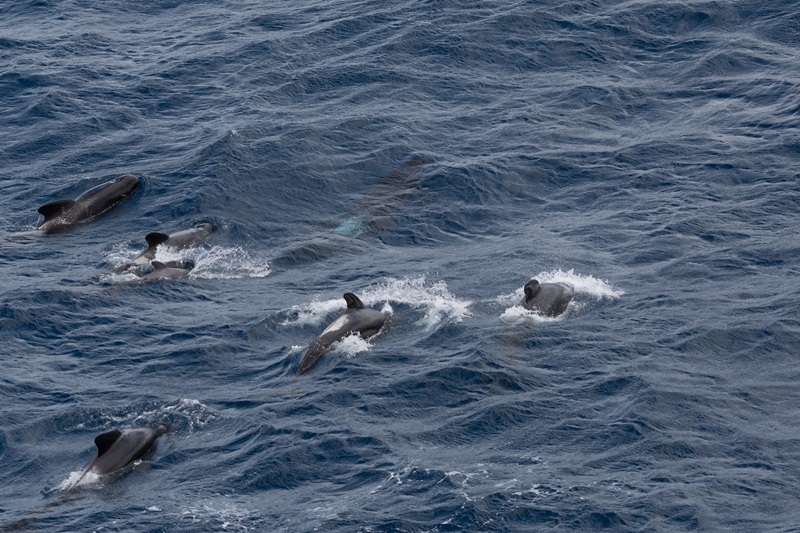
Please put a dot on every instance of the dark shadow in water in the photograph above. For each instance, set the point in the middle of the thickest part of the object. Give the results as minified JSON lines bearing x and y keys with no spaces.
{"x":375,"y":212}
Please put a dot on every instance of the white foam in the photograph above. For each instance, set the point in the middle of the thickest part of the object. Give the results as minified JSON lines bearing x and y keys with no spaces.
{"x":517,"y":313}
{"x":351,"y":345}
{"x":440,"y":306}
{"x":313,"y":313}
{"x":222,"y":515}
{"x":583,"y":285}
{"x":217,"y":262}
{"x":195,"y":413}
{"x":79,"y":479}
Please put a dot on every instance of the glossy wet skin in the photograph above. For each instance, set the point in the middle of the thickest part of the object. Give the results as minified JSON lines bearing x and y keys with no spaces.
{"x":547,"y":299}
{"x":178,"y":240}
{"x":62,"y":214}
{"x":117,"y":449}
{"x":357,"y":319}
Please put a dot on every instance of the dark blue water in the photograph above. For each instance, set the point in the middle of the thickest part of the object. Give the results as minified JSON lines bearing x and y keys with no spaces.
{"x":646,"y":152}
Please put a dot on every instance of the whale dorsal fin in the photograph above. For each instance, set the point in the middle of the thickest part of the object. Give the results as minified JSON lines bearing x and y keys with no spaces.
{"x":155,"y":238}
{"x":158,"y":265}
{"x":531,"y":289}
{"x":53,"y":209}
{"x":104,"y":441}
{"x":352,"y":301}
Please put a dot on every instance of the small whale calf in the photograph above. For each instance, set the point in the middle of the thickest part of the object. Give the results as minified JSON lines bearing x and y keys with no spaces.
{"x":62,"y":214}
{"x":117,"y":449}
{"x":163,"y":271}
{"x":356,"y":319}
{"x":547,"y":299}
{"x":178,"y":241}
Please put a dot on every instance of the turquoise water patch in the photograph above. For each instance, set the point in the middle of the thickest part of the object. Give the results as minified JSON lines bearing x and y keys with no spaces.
{"x":352,"y":227}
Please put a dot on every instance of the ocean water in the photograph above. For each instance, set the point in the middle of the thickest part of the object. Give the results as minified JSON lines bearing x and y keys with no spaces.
{"x":648,"y":153}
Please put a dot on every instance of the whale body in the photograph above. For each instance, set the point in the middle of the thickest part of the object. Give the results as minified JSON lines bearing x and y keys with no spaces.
{"x":377,"y":211}
{"x":163,"y":271}
{"x":356,"y":319}
{"x":547,"y":299}
{"x":117,"y":449}
{"x":178,"y":240}
{"x":65,"y":213}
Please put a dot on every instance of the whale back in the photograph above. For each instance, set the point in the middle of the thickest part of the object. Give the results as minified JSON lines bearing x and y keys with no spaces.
{"x":353,"y":301}
{"x":357,"y":319}
{"x":155,"y":238}
{"x":50,"y":210}
{"x":548,"y":299}
{"x":105,"y":441}
{"x":163,"y":271}
{"x":116,"y":449}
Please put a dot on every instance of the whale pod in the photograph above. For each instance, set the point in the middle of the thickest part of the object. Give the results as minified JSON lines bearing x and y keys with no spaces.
{"x":356,"y":319}
{"x":547,"y":299}
{"x":65,"y":213}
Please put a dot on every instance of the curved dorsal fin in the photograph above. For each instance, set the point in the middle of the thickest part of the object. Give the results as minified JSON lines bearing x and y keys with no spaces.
{"x":531,"y":289}
{"x":352,"y":301}
{"x":155,"y":238}
{"x":158,"y":265}
{"x":104,"y":441}
{"x":53,"y":209}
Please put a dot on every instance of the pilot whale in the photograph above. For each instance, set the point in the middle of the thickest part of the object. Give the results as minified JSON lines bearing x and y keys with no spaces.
{"x":375,"y":211}
{"x":163,"y":271}
{"x":378,"y":210}
{"x":117,"y":449}
{"x":547,"y":299}
{"x":356,"y":319}
{"x":62,"y":214}
{"x":178,"y":240}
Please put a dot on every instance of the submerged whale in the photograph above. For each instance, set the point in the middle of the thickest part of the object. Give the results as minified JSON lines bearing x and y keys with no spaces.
{"x":356,"y":319}
{"x":377,"y":210}
{"x":178,"y":240}
{"x":117,"y":449}
{"x":163,"y":271}
{"x":547,"y":299}
{"x":62,"y":214}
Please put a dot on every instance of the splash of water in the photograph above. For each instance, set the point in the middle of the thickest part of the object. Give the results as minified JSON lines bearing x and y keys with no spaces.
{"x":583,"y":285}
{"x":588,"y":285}
{"x":439,"y":304}
{"x":217,"y":262}
{"x":351,"y":345}
{"x":79,"y":479}
{"x":419,"y":293}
